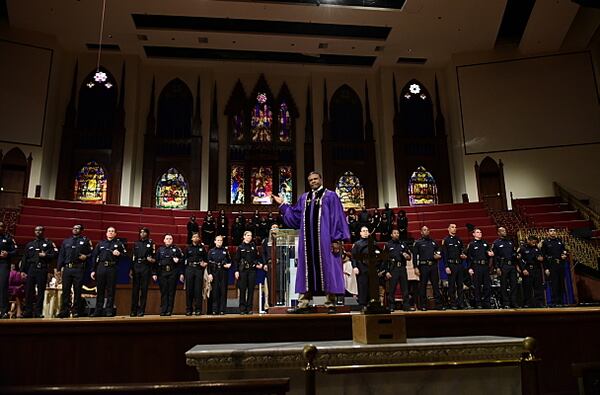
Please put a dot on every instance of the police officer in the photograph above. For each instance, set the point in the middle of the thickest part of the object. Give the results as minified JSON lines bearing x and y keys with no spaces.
{"x":478,"y":252}
{"x":105,"y":258}
{"x":238,"y":228}
{"x":530,"y":262}
{"x":426,"y":253}
{"x":144,"y":251}
{"x":360,"y":267}
{"x":166,"y":272}
{"x":34,"y":265}
{"x":72,"y":256}
{"x":506,"y":266}
{"x":195,"y":265}
{"x":555,"y":255}
{"x":453,"y":251}
{"x":8,"y":249}
{"x":247,"y":260}
{"x":209,"y":228}
{"x":219,"y":262}
{"x":395,"y":271}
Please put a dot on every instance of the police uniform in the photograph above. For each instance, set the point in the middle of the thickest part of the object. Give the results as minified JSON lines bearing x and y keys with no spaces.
{"x":73,"y":269}
{"x":217,"y":257}
{"x":362,"y":279}
{"x":396,"y":267}
{"x":208,"y":231}
{"x":7,"y":244}
{"x":246,"y":259}
{"x":168,"y":271}
{"x":453,"y":248}
{"x":195,"y":257}
{"x":105,"y":266}
{"x":533,"y":283}
{"x":141,"y":272}
{"x":423,"y":253}
{"x":237,"y":231}
{"x":36,"y":267}
{"x":552,"y":249}
{"x":505,"y":259}
{"x":478,"y":262}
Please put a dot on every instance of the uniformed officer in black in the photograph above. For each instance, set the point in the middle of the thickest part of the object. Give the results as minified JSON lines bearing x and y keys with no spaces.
{"x":35,"y":263}
{"x":453,"y":251}
{"x":360,"y":267}
{"x":72,"y":258}
{"x":166,"y":272}
{"x":263,"y":228}
{"x":530,"y":262}
{"x":555,"y":254}
{"x":195,"y":262}
{"x":247,"y":260}
{"x":209,"y":229}
{"x":144,"y":252}
{"x":478,"y":253}
{"x":237,"y":230}
{"x":105,"y":259}
{"x":8,"y":249}
{"x":426,"y":253}
{"x":506,"y":265}
{"x":399,"y":253}
{"x":219,"y":262}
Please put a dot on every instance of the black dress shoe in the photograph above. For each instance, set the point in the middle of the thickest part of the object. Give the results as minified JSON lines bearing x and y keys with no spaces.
{"x":197,"y":313}
{"x":188,"y":313}
{"x":423,"y":308}
{"x":133,"y":314}
{"x":408,"y":309}
{"x":163,"y":314}
{"x":4,"y":316}
{"x":300,"y":310}
{"x":222,"y":313}
{"x":75,"y":315}
{"x":27,"y":315}
{"x":249,"y":312}
{"x":140,"y":314}
{"x":331,"y":310}
{"x":168,"y":313}
{"x":38,"y":316}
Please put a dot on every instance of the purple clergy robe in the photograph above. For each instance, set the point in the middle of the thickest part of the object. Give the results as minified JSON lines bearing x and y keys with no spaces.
{"x":321,"y":221}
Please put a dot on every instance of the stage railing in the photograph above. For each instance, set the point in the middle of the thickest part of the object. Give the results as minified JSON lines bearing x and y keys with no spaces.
{"x":270,"y":386}
{"x":529,"y":364}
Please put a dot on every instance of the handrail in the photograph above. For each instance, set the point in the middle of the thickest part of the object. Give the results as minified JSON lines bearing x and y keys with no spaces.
{"x":588,"y":212}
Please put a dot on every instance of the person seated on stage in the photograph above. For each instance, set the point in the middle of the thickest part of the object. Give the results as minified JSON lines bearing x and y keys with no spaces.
{"x":426,"y":253}
{"x":166,"y":273}
{"x":219,"y":262}
{"x":16,"y":291}
{"x":402,"y":225}
{"x":353,"y":225}
{"x":363,"y":217}
{"x":209,"y":229}
{"x":237,"y":230}
{"x":223,"y":229}
{"x":385,"y":228}
{"x":478,"y":254}
{"x":263,"y":229}
{"x":192,"y":227}
{"x":530,"y":263}
{"x":395,"y":270}
{"x":105,"y":259}
{"x":388,"y":212}
{"x":374,"y":221}
{"x":247,"y":260}
{"x":196,"y":261}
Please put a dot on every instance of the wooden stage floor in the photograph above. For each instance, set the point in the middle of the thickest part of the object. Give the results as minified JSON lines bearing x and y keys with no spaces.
{"x":151,"y":348}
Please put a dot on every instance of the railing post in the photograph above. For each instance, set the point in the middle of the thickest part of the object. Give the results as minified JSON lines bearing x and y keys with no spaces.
{"x":530,"y":384}
{"x":310,"y":371}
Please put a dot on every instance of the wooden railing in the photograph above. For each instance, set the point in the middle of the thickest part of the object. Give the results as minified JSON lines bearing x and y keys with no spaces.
{"x":588,"y":211}
{"x":273,"y":386}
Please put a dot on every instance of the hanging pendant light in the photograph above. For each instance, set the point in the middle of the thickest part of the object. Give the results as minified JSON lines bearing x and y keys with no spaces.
{"x":100,"y":77}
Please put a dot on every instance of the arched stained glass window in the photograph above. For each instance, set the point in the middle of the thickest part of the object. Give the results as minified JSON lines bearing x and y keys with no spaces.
{"x":172,"y":190}
{"x":286,"y":186}
{"x":91,"y":184}
{"x":237,"y":184}
{"x":416,"y":110}
{"x":350,"y":191}
{"x":284,"y":124}
{"x":261,"y":180}
{"x":261,"y":122}
{"x":422,"y":188}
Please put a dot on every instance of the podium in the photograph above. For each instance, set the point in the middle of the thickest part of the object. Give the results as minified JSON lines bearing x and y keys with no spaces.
{"x":282,"y":277}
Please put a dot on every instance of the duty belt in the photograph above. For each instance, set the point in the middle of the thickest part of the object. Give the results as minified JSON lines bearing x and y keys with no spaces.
{"x":453,"y":260}
{"x":72,"y":265}
{"x":428,"y":262}
{"x":194,"y":264}
{"x":398,"y":262}
{"x":248,"y":265}
{"x":108,"y":263}
{"x":555,"y":260}
{"x":167,"y":268}
{"x":481,"y":262}
{"x":505,"y":261}
{"x":41,"y":265}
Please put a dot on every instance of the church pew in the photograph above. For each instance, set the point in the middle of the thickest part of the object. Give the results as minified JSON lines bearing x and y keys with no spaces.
{"x":62,"y":213}
{"x":452,"y":214}
{"x":438,"y":224}
{"x":581,"y":223}
{"x":554,"y":216}
{"x":34,"y":220}
{"x":545,"y":208}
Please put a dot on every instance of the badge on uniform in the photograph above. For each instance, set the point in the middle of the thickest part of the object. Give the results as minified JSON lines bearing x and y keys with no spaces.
{"x":44,"y":245}
{"x":116,"y":246}
{"x":148,"y":245}
{"x":81,"y":242}
{"x":174,"y":250}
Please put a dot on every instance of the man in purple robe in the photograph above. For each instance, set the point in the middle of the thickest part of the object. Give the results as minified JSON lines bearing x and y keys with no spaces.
{"x":320,"y":217}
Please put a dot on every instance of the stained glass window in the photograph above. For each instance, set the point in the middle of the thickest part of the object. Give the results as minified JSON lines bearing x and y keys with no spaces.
{"x":422,"y":188}
{"x":285,"y":183}
{"x":350,"y":191}
{"x":172,"y":190}
{"x":237,"y":185}
{"x":238,"y":127}
{"x":284,"y":124}
{"x":261,"y":180}
{"x":262,"y":120}
{"x":91,"y":184}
